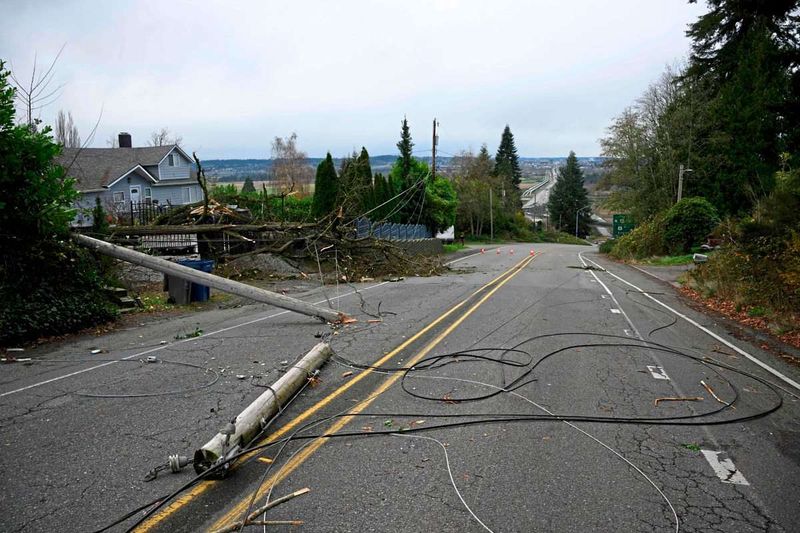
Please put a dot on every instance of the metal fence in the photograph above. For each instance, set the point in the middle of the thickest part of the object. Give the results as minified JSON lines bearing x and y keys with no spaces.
{"x":140,"y":213}
{"x":390,"y":231}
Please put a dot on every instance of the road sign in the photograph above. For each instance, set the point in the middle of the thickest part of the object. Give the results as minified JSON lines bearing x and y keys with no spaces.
{"x":623,"y":223}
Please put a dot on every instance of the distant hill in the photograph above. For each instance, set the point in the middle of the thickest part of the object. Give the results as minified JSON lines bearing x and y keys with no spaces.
{"x":225,"y":170}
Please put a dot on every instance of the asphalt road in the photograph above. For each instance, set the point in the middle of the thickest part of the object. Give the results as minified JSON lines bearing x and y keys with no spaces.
{"x":570,"y":439}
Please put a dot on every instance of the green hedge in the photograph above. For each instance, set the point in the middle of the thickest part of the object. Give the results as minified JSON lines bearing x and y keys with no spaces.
{"x":50,"y":288}
{"x":688,"y":223}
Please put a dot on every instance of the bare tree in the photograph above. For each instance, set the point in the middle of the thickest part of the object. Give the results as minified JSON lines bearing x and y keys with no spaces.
{"x":163,"y":137}
{"x":66,"y":132}
{"x":290,"y":169}
{"x":38,"y":92}
{"x":113,"y":141}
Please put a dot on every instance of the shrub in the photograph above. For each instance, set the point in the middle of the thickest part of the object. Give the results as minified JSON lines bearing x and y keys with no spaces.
{"x":50,"y":288}
{"x":764,"y":273}
{"x":645,"y":240}
{"x":688,"y":223}
{"x":607,"y":246}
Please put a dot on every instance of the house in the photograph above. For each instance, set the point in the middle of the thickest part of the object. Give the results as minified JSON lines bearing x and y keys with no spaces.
{"x":127,"y":178}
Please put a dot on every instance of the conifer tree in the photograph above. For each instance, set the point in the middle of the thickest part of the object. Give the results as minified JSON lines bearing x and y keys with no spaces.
{"x":568,"y":197}
{"x":405,"y":146}
{"x":364,"y":181}
{"x":248,"y":186}
{"x":506,"y":166}
{"x":506,"y":163}
{"x":381,"y":193}
{"x":325,"y":188}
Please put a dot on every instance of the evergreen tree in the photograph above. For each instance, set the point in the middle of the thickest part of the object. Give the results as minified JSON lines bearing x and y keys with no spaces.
{"x":379,"y":196}
{"x":568,"y":197}
{"x":483,"y":156}
{"x":364,"y":181}
{"x":506,"y":166}
{"x":506,"y":162}
{"x":411,"y":190}
{"x":325,"y":188}
{"x":350,"y":185}
{"x":62,"y":281}
{"x":248,"y":186}
{"x":745,"y":56}
{"x":405,"y":146}
{"x":99,"y":220}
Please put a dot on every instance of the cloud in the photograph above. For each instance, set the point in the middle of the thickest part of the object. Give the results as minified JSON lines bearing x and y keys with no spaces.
{"x":229,"y":76}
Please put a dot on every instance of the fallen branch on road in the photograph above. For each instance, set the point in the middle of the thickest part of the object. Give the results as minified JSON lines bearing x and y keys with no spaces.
{"x":250,"y":520}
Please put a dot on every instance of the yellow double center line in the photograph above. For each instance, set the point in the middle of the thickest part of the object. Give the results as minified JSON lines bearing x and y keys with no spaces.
{"x":234,"y":513}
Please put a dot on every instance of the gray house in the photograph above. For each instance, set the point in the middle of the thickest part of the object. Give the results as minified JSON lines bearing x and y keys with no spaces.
{"x":127,"y":177}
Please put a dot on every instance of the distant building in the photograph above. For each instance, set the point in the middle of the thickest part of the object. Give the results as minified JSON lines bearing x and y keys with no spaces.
{"x":127,"y":178}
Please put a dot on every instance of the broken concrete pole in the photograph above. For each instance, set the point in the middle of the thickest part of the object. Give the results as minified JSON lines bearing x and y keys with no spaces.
{"x":217,"y":282}
{"x":249,"y":423}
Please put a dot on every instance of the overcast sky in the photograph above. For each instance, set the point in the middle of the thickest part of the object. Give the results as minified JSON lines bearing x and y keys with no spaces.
{"x":229,"y":76}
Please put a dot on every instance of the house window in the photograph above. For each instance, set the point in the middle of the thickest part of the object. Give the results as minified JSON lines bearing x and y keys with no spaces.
{"x":148,"y":194}
{"x":119,"y":197}
{"x":186,"y":197}
{"x":171,"y":160}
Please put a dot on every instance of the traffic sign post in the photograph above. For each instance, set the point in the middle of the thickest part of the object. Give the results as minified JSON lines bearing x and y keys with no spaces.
{"x":623,"y":223}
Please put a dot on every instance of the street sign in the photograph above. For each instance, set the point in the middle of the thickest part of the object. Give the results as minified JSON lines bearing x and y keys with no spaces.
{"x":623,"y":223}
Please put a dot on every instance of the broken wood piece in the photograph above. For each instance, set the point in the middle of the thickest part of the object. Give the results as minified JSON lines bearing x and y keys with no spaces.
{"x":252,"y":516}
{"x":678,"y":399}
{"x":346,"y":374}
{"x":374,"y":321}
{"x":711,"y":392}
{"x":275,"y":523}
{"x":238,"y":236}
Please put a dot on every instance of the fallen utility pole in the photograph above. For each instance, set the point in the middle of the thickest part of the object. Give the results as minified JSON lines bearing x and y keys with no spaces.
{"x":203,"y":278}
{"x":244,"y":428}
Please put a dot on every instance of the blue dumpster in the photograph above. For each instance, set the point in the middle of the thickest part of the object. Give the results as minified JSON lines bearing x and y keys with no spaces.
{"x":199,"y":293}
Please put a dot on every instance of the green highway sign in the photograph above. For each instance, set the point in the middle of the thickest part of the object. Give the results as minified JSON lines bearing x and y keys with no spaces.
{"x":623,"y":224}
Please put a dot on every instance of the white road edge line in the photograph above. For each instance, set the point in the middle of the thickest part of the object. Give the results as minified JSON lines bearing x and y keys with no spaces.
{"x":164,"y":346}
{"x":462,"y":258}
{"x":704,"y":329}
{"x":725,"y":469}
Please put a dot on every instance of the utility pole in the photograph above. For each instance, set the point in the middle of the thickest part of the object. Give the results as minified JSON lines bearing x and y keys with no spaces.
{"x":491,"y":216}
{"x":681,"y":172}
{"x":576,"y":217}
{"x":433,"y":151}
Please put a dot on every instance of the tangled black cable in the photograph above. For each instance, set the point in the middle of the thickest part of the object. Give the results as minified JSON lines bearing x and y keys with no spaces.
{"x":466,"y":419}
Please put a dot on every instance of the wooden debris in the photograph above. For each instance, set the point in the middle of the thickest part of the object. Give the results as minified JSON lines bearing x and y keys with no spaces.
{"x":275,"y":523}
{"x":711,"y":392}
{"x":678,"y":399}
{"x":254,"y":515}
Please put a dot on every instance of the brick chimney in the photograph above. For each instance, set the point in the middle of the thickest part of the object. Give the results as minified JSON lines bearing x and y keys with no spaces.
{"x":125,"y":140}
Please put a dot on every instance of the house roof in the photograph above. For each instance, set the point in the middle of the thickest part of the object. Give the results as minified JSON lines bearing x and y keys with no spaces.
{"x":95,"y":168}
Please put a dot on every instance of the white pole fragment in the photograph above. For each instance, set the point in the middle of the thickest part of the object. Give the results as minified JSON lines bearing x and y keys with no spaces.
{"x":204,"y":278}
{"x":249,"y":423}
